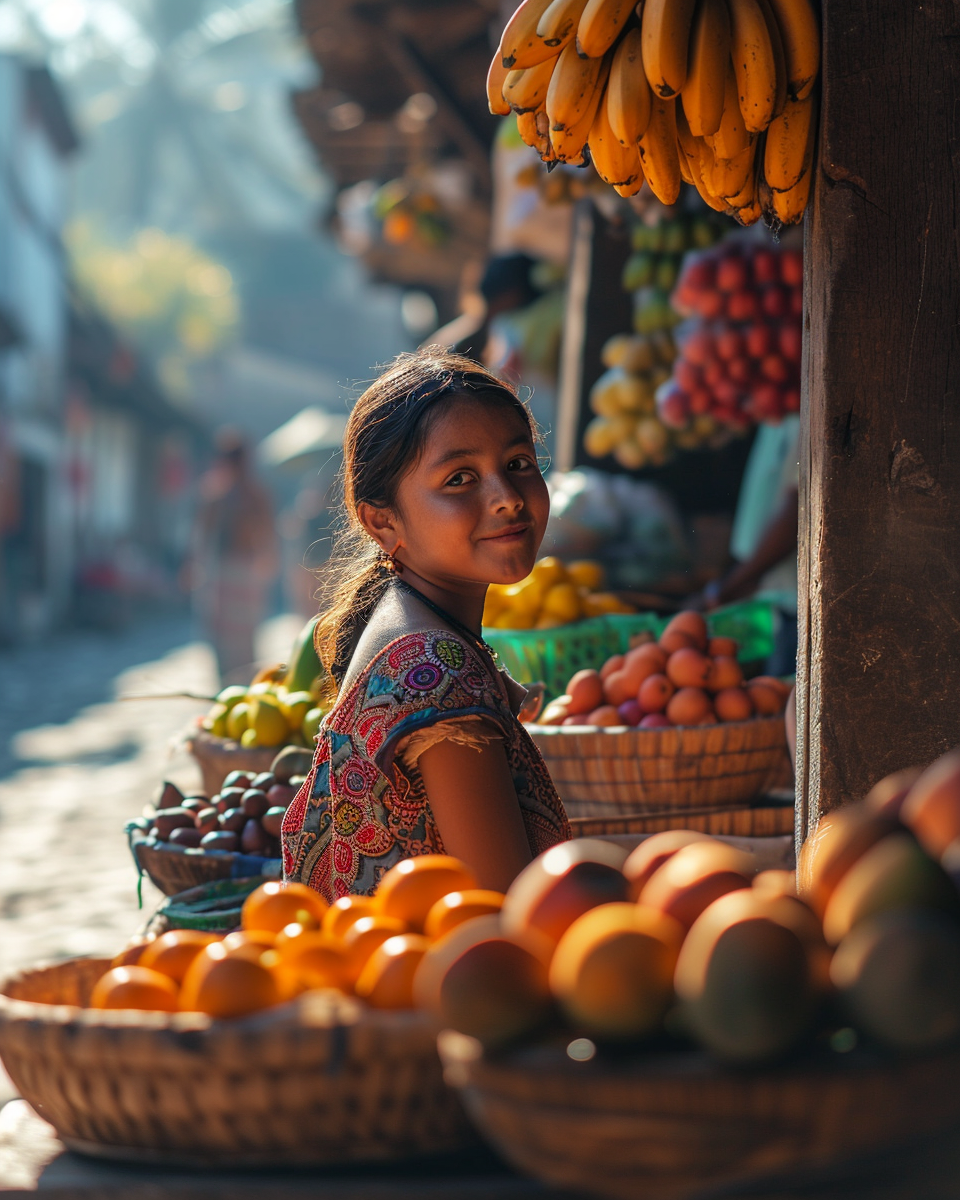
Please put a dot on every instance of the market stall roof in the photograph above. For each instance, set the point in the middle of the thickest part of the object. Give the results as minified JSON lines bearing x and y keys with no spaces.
{"x":311,"y":431}
{"x":377,"y":54}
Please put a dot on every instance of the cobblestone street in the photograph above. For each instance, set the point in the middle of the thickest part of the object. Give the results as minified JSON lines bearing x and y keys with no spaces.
{"x":77,"y":762}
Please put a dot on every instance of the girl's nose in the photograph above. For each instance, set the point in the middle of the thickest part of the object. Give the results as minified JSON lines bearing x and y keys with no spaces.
{"x":504,"y":496}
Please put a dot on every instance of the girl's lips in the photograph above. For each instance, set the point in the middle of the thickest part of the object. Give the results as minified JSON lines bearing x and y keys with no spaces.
{"x":513,"y":533}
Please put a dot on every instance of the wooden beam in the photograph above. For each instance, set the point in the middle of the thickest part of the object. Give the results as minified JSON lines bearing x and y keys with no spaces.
{"x":879,"y":660}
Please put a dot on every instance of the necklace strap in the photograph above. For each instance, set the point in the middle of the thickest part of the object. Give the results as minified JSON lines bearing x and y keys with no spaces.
{"x":457,"y":624}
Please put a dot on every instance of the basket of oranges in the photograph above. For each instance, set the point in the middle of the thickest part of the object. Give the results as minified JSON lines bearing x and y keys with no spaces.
{"x":671,"y":724}
{"x":292,"y":1040}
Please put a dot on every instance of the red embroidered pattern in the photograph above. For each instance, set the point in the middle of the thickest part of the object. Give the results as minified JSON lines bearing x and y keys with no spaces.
{"x":359,"y":811}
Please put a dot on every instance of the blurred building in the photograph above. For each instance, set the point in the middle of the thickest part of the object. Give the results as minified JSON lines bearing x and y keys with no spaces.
{"x":95,"y":464}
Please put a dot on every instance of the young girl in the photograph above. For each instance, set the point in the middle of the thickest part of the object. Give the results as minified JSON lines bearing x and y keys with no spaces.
{"x":422,"y":752}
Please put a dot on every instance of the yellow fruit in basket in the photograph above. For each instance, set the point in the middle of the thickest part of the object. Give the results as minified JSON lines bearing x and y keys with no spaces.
{"x":215,"y":721}
{"x":525,"y":596}
{"x":229,"y":696}
{"x":548,"y":571}
{"x":248,"y":739}
{"x":603,"y":433}
{"x":386,"y":980}
{"x":597,"y":604}
{"x":295,"y":706}
{"x":562,"y":602}
{"x":311,"y":724}
{"x":494,"y":604}
{"x":511,"y":619}
{"x":267,"y":721}
{"x":237,"y":720}
{"x":652,"y":435}
{"x":586,"y":573}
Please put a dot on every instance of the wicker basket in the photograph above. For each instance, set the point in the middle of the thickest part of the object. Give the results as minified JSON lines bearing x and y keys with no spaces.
{"x":618,"y":771}
{"x":674,"y":1125}
{"x":211,"y":907}
{"x":217,"y":757}
{"x":323,"y":1080}
{"x":759,"y":820}
{"x":174,"y":869}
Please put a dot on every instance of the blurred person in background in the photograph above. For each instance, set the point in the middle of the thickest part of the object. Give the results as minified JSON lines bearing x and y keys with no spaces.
{"x":234,"y":557}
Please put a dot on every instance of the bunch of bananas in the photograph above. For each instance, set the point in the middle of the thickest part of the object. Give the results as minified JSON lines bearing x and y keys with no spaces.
{"x":715,"y":93}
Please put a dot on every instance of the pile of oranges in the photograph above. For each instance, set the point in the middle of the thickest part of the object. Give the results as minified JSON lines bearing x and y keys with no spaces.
{"x":292,"y":941}
{"x":685,"y":678}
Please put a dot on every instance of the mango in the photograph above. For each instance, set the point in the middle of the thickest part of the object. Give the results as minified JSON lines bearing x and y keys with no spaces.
{"x":485,"y":983}
{"x":562,"y":884}
{"x":932,"y":806}
{"x":744,"y":980}
{"x":898,"y":977}
{"x":291,"y":760}
{"x":693,"y":878}
{"x":612,"y":971}
{"x":895,"y":873}
{"x":653,"y":852}
{"x":841,"y":837}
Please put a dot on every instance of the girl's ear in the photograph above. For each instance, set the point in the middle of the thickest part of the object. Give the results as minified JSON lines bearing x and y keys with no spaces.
{"x":381,"y":525}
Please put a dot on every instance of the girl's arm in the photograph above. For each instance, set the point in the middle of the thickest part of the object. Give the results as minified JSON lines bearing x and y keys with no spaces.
{"x":475,"y":805}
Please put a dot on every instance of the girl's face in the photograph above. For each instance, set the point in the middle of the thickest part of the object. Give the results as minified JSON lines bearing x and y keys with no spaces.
{"x":474,"y":508}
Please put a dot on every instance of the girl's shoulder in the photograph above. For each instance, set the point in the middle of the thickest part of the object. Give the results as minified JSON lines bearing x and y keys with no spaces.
{"x":421,"y":660}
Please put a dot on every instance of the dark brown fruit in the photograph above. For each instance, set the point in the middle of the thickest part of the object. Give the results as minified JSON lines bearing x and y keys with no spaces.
{"x":254,"y":802}
{"x":238,"y":779}
{"x":281,"y":795}
{"x":264,"y":781}
{"x":233,"y":819}
{"x":184,"y":836}
{"x":191,"y":804}
{"x":253,"y":840}
{"x":291,"y":761}
{"x":208,"y":819}
{"x":168,"y":795}
{"x":229,"y":798}
{"x":272,"y":821}
{"x":221,"y":839}
{"x":169,"y":819}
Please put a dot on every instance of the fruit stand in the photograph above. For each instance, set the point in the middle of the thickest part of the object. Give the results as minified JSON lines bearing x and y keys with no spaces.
{"x":673,"y":1021}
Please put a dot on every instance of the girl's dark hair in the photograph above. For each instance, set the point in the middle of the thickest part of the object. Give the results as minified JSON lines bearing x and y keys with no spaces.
{"x":384,"y":439}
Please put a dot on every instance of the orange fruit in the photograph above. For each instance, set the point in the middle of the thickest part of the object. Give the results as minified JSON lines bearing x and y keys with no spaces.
{"x":129,"y":956}
{"x":655,"y":693}
{"x":386,"y":980}
{"x":767,"y":700}
{"x":452,"y":910}
{"x":410,"y":889}
{"x":222,"y":984}
{"x":241,"y":939}
{"x":611,"y":665}
{"x":343,"y":912}
{"x":276,"y":904}
{"x":173,"y":952}
{"x":652,"y":653}
{"x":692,"y":625}
{"x":722,"y":647}
{"x":135,"y":987}
{"x":733,"y":704}
{"x":364,"y":936}
{"x":724,"y":673}
{"x":689,"y":706}
{"x":672,"y":640}
{"x":318,"y":960}
{"x":689,"y":668}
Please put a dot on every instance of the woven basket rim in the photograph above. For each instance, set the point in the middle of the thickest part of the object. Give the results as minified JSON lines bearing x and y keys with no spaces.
{"x":329,"y":1009}
{"x":150,"y":844}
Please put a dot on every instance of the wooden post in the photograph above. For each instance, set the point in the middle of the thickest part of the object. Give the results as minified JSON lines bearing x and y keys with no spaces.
{"x":879,"y":661}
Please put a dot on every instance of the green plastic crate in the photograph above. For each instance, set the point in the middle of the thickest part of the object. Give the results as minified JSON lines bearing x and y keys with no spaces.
{"x":553,"y":655}
{"x":210,"y":907}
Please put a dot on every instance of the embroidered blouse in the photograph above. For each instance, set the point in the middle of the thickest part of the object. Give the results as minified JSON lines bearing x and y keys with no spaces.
{"x":364,"y":807}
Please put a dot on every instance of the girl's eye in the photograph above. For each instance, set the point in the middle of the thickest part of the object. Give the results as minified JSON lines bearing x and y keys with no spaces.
{"x":520,"y":464}
{"x":457,"y":480}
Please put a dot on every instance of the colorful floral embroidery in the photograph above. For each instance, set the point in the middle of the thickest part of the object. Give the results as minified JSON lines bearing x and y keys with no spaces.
{"x":359,"y":812}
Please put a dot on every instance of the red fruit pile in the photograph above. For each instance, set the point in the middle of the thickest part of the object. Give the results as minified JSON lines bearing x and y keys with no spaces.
{"x":685,"y":678}
{"x":740,"y":362}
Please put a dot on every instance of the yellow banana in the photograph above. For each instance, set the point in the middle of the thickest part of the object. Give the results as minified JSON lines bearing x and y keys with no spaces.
{"x":707,"y":67}
{"x":800,"y":32}
{"x":529,"y":133}
{"x":754,"y":64}
{"x":616,"y":163}
{"x":779,"y":59}
{"x":572,"y":88}
{"x":751,"y":213}
{"x":730,"y":175}
{"x":520,"y":45}
{"x":665,"y":26}
{"x":685,"y":172}
{"x":748,"y":193}
{"x":526,"y":91}
{"x":496,"y":77}
{"x":688,"y":148}
{"x":601,"y":24}
{"x":732,"y":137}
{"x":789,"y":205}
{"x":558,"y":25}
{"x":786,"y":144}
{"x":658,"y":151}
{"x":628,"y":93}
{"x":765,"y":200}
{"x":568,"y":141}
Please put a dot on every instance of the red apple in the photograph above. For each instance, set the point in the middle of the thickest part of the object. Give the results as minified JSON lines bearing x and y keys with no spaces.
{"x":743,"y":306}
{"x":775,"y":302}
{"x":732,"y":274}
{"x":796,"y":303}
{"x":727,"y":393}
{"x":698,"y":348}
{"x":710,"y":305}
{"x":765,"y":399}
{"x":631,"y":712}
{"x":713,"y":373}
{"x":791,"y":267}
{"x":701,"y":401}
{"x":655,"y":721}
{"x":766,"y":267}
{"x":790,"y":399}
{"x":758,"y":340}
{"x":774,"y":368}
{"x":674,"y":408}
{"x":790,"y":340}
{"x":700,"y":274}
{"x":740,"y":370}
{"x":686,"y":375}
{"x":729,"y":344}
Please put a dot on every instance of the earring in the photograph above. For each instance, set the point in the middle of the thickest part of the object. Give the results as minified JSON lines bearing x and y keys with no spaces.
{"x":389,"y":562}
